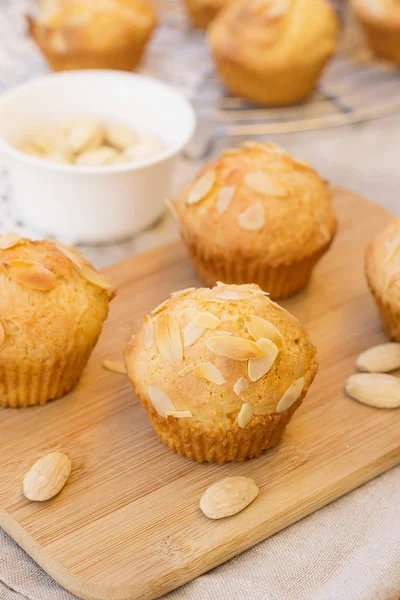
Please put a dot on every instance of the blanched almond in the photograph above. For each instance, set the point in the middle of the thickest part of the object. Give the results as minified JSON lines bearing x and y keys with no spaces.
{"x":381,"y":391}
{"x":168,"y":338}
{"x":202,"y":187}
{"x":206,"y":320}
{"x":179,"y":414}
{"x":47,"y":477}
{"x":207,"y":370}
{"x":116,"y":366}
{"x":259,"y":367}
{"x":245,"y":415}
{"x":95,"y":278}
{"x":229,"y":295}
{"x":9,"y":240}
{"x":291,"y":395}
{"x":148,"y":327}
{"x":228,"y":496}
{"x":234,"y":347}
{"x":241,"y":386}
{"x":263,"y":184}
{"x":224,"y":199}
{"x":95,"y":158}
{"x":29,"y":273}
{"x":380,"y":359}
{"x":84,"y":134}
{"x":252,"y":219}
{"x":191,"y":334}
{"x":2,"y":333}
{"x":261,"y":328}
{"x":185,"y":370}
{"x":120,"y":136}
{"x":160,"y":400}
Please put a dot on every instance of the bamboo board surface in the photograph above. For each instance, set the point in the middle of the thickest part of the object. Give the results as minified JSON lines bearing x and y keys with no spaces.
{"x":127,"y":525}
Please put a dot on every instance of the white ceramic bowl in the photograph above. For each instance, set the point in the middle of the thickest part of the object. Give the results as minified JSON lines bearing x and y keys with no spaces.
{"x":93,"y":204}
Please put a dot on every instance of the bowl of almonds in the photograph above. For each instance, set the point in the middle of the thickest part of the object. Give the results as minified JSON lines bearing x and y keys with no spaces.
{"x":91,"y":153}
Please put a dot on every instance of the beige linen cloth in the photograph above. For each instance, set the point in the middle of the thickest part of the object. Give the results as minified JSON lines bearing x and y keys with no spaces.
{"x":349,"y":550}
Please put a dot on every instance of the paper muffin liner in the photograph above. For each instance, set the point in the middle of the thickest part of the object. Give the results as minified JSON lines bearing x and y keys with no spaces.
{"x":201,"y":13}
{"x":280,"y":282}
{"x":35,"y":384}
{"x":383,"y":41}
{"x":390,"y":317}
{"x":189,"y":438}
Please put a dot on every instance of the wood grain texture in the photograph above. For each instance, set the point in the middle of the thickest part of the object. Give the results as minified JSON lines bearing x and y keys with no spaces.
{"x":127,"y":525}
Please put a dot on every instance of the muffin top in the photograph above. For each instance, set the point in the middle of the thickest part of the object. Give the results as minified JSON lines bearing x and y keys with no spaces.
{"x":383,"y":263}
{"x":384,"y":11}
{"x":269,"y":34}
{"x":221,"y":355}
{"x":261,"y":203}
{"x":51,"y":299}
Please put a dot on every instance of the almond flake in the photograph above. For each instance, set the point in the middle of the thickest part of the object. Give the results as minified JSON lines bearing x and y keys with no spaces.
{"x":185,"y":370}
{"x":160,"y":307}
{"x":179,"y":414}
{"x":224,"y":199}
{"x":206,"y":320}
{"x":172,"y":209}
{"x":116,"y":366}
{"x":393,"y":248}
{"x":241,"y":386}
{"x":9,"y":240}
{"x":148,"y":327}
{"x":191,"y":334}
{"x":31,"y":274}
{"x":261,"y":328}
{"x":234,"y":347}
{"x":291,"y":395}
{"x":245,"y":415}
{"x":2,"y":333}
{"x":229,"y":295}
{"x":71,"y":255}
{"x":252,"y":219}
{"x":160,"y":400}
{"x":220,"y":284}
{"x":95,"y":278}
{"x":221,"y":333}
{"x":168,"y":337}
{"x":380,"y":359}
{"x":259,"y":367}
{"x":381,"y":391}
{"x":263,"y":184}
{"x":393,"y":279}
{"x":182,"y":292}
{"x":207,"y":370}
{"x":201,"y":187}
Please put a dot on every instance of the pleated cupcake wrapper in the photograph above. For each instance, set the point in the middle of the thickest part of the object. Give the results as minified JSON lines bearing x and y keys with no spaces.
{"x":124,"y":59}
{"x":390,"y":318}
{"x":35,"y":385}
{"x":280,"y":282}
{"x":384,"y":41}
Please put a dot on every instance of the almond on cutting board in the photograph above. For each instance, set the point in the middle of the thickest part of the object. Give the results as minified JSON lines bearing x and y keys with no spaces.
{"x":47,"y":477}
{"x":228,"y":497}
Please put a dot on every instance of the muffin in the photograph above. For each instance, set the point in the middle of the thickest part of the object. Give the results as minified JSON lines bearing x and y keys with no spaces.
{"x":380,"y":20}
{"x":220,"y":371}
{"x":202,"y":12}
{"x":272,"y":52}
{"x":111,"y":34}
{"x":382,"y":268}
{"x":52,"y":308}
{"x":256,"y":215}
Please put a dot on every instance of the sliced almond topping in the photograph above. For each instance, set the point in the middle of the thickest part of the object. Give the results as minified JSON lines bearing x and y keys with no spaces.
{"x":393,"y":248}
{"x":116,"y":366}
{"x":259,"y":367}
{"x":191,"y":334}
{"x":9,"y":240}
{"x":245,"y":415}
{"x":160,"y":400}
{"x":291,"y":395}
{"x":225,"y":196}
{"x":374,"y":389}
{"x":95,"y":278}
{"x":182,"y":292}
{"x":263,"y":184}
{"x":221,"y":333}
{"x":393,"y":279}
{"x":168,"y":337}
{"x":71,"y":255}
{"x":380,"y":359}
{"x":31,"y":274}
{"x":252,"y":219}
{"x":206,"y":320}
{"x":160,"y":307}
{"x":207,"y":370}
{"x":201,"y":187}
{"x":172,"y":209}
{"x":234,"y":347}
{"x":179,"y":414}
{"x":148,"y":327}
{"x":241,"y":386}
{"x":2,"y":333}
{"x":261,"y":328}
{"x":185,"y":370}
{"x":278,"y":9}
{"x":229,"y":295}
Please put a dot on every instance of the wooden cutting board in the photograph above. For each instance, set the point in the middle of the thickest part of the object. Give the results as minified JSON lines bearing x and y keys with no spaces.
{"x":127,"y":525}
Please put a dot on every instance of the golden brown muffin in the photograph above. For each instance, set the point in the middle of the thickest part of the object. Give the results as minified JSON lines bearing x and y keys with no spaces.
{"x":256,"y":215}
{"x":220,"y":371}
{"x":380,"y":20}
{"x":95,"y":34}
{"x":272,"y":52}
{"x":382,"y":267}
{"x":202,"y":12}
{"x":52,"y":308}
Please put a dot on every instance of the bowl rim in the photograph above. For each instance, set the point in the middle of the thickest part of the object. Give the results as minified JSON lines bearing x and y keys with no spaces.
{"x":137,"y":165}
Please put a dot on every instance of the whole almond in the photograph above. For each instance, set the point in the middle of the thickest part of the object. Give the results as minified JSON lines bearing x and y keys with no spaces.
{"x":47,"y":477}
{"x":228,"y":496}
{"x":380,"y":359}
{"x":374,"y":389}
